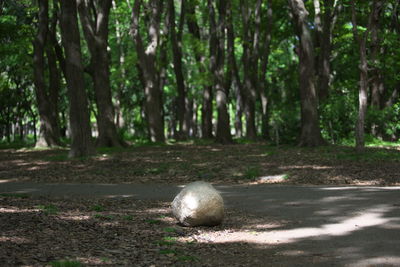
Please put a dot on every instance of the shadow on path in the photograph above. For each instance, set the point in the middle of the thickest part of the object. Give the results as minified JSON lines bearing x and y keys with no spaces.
{"x":324,"y":226}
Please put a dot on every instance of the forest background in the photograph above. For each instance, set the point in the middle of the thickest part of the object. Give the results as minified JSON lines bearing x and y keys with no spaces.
{"x":308,"y":73}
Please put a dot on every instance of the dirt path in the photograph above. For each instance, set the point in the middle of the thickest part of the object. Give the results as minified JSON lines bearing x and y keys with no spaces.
{"x":114,"y":209}
{"x":289,"y":225}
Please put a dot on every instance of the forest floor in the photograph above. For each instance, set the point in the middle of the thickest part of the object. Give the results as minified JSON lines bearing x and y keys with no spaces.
{"x":82,"y":231}
{"x":229,"y":164}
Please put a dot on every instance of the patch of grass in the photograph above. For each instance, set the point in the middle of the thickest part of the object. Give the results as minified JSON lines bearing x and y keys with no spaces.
{"x":66,"y":263}
{"x":48,"y":209}
{"x":161,"y":168}
{"x":97,"y":208}
{"x":252,"y":172}
{"x":111,"y":150}
{"x":244,"y":141}
{"x":169,"y":230}
{"x":127,"y":217}
{"x":370,"y":154}
{"x":105,"y":260}
{"x":57,"y":157}
{"x":152,"y":221}
{"x":14,"y":195}
{"x":30,"y":143}
{"x":168,"y":251}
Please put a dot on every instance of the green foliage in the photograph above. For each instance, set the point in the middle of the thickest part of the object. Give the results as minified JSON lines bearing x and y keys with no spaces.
{"x":153,"y":221}
{"x":338,"y":117}
{"x":18,"y":26}
{"x":252,"y":172}
{"x":385,"y":121}
{"x":97,"y":208}
{"x":48,"y":209}
{"x":127,"y":217}
{"x":169,"y":230}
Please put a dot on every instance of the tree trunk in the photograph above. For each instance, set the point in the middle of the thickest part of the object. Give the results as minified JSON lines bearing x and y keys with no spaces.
{"x":147,"y":62}
{"x":377,"y":86}
{"x":194,"y":123}
{"x":250,"y":66}
{"x":207,"y":107}
{"x":95,"y":28}
{"x":310,"y":130}
{"x":236,"y":82}
{"x":49,"y":132}
{"x":78,"y":110}
{"x":176,"y":42}
{"x":264,"y":59}
{"x":119,"y":120}
{"x":217,"y":60}
{"x":362,"y":94}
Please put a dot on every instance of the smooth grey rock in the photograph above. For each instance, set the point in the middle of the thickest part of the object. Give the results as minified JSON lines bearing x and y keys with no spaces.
{"x":198,"y":204}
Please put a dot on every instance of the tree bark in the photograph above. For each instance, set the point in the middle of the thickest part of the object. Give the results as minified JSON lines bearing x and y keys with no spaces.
{"x":324,"y":27}
{"x":236,"y":81}
{"x":207,"y":97}
{"x":147,"y":62}
{"x":49,"y":130}
{"x":264,"y":59}
{"x":176,"y":42}
{"x":78,"y":111}
{"x":310,"y":130}
{"x":217,"y":60}
{"x":250,"y":67}
{"x":119,"y":119}
{"x":377,"y":86}
{"x":94,"y":19}
{"x":361,"y":40}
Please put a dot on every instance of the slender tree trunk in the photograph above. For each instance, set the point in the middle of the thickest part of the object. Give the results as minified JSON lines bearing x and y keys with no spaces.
{"x":310,"y":130}
{"x":54,"y":70}
{"x":95,"y":28}
{"x":250,"y":92}
{"x":49,"y":132}
{"x":207,"y":97}
{"x":147,"y":61}
{"x":194,"y":123}
{"x":78,"y":111}
{"x":363,"y":83}
{"x":376,"y":79}
{"x":324,"y":26}
{"x":236,"y":81}
{"x":120,"y":123}
{"x":394,"y":97}
{"x":176,"y":42}
{"x":264,"y":59}
{"x":217,"y":60}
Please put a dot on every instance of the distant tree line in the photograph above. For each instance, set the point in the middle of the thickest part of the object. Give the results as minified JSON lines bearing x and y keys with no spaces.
{"x":305,"y":72}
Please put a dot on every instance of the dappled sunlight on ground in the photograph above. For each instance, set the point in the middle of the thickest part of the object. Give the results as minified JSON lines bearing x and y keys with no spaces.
{"x":373,"y":217}
{"x":16,"y":210}
{"x":14,"y":239}
{"x":389,"y":260}
{"x":213,"y":163}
